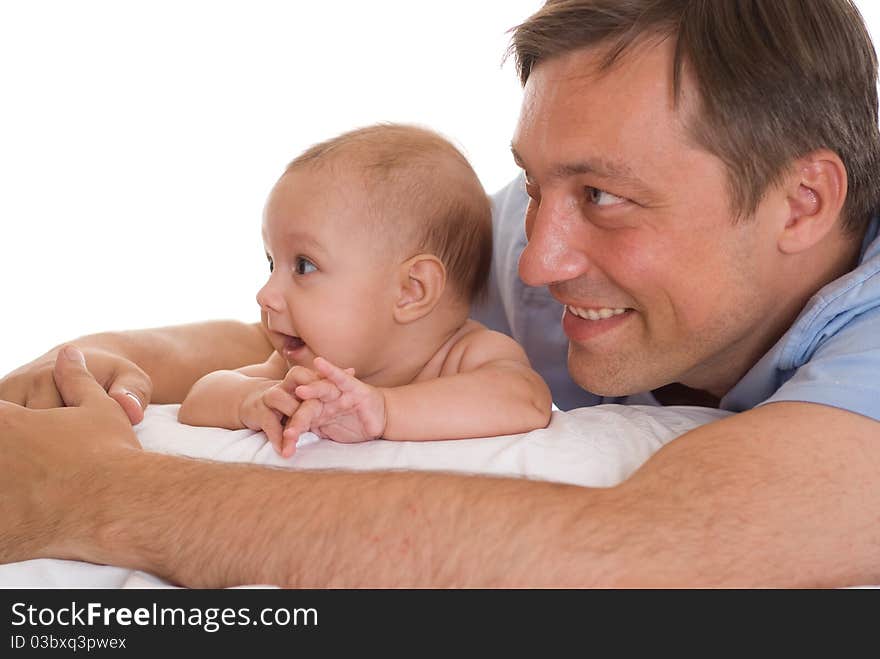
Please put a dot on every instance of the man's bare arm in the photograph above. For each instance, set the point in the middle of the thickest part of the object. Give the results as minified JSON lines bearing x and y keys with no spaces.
{"x":784,"y":495}
{"x":173,"y":358}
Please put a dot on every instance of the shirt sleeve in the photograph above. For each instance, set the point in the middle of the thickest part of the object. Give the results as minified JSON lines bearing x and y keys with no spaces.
{"x":843,"y":372}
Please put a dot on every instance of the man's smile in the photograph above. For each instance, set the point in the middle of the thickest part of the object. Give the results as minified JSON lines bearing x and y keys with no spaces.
{"x":595,"y":313}
{"x":581,"y":324}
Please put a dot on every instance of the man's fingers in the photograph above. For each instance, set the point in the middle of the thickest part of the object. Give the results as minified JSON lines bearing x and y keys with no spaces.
{"x":75,"y":384}
{"x":9,"y":413}
{"x":44,"y":397}
{"x":130,"y":404}
{"x":132,"y":388}
{"x":32,"y":382}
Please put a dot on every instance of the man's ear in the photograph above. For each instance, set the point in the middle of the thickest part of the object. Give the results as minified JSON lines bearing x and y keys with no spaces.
{"x":422,"y":281}
{"x":816,"y":192}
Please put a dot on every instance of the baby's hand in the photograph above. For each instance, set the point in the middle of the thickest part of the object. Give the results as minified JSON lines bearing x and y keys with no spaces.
{"x":257,"y":415}
{"x":339,"y":407}
{"x":267,"y":408}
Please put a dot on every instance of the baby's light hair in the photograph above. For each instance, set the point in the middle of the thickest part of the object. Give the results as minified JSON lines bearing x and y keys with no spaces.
{"x":423,"y":193}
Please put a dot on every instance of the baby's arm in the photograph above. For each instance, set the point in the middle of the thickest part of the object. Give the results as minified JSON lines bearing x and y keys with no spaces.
{"x":491,"y":390}
{"x":487,"y":388}
{"x":217,"y":398}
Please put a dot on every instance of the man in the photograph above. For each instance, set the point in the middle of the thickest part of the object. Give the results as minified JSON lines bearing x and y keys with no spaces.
{"x":701,"y":183}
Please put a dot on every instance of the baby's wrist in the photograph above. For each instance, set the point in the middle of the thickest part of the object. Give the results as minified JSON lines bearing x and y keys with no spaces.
{"x":386,"y":396}
{"x":251,"y":398}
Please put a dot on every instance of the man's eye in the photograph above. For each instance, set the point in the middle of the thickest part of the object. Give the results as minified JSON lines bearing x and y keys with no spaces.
{"x":303,"y":266}
{"x":602,"y":198}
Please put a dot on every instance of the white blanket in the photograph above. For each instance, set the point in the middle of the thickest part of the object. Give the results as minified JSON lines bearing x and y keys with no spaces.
{"x":595,"y":446}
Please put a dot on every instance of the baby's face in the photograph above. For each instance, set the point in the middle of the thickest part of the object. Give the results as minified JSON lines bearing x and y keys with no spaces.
{"x":330,"y":291}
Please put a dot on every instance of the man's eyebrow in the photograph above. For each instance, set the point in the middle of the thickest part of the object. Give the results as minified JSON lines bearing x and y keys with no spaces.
{"x":600,"y":167}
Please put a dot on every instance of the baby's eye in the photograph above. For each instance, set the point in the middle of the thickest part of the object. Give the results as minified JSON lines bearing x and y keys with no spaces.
{"x":602,"y":198}
{"x":271,"y":263}
{"x":302,"y":266}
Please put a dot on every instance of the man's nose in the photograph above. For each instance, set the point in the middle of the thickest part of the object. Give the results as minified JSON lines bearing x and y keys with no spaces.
{"x":555,"y":251}
{"x":269,"y":298}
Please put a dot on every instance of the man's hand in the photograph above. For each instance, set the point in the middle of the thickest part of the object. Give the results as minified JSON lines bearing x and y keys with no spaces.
{"x":46,"y":456}
{"x":338,"y":406}
{"x":33,"y":385}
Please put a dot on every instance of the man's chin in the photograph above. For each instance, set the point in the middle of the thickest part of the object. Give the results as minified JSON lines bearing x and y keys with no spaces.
{"x":604,"y":379}
{"x":600,"y":386}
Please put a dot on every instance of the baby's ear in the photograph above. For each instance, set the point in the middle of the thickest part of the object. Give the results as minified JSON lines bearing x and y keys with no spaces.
{"x":422,"y":280}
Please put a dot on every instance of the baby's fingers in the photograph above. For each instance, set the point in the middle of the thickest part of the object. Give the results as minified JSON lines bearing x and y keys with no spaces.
{"x":279,"y":399}
{"x":271,"y":424}
{"x":300,"y":422}
{"x":344,"y":379}
{"x":323,"y":390}
{"x":298,"y":375}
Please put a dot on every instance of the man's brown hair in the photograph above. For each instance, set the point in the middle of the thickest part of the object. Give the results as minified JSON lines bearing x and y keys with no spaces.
{"x":776,"y":79}
{"x":423,"y":193}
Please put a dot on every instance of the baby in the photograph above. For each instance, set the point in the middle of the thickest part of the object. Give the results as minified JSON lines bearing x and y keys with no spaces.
{"x":378,"y":242}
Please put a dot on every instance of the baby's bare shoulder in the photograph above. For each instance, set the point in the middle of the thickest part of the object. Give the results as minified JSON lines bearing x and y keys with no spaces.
{"x":477,"y":335}
{"x":476,"y":345}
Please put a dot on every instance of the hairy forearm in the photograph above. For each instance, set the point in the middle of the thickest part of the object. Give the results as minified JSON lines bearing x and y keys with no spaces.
{"x":739,"y":502}
{"x":783,"y":495}
{"x":207,"y":524}
{"x":175,"y":357}
{"x":481,"y":403}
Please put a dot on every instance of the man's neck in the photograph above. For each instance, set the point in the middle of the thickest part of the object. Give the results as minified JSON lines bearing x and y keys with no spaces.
{"x":678,"y":394}
{"x":795,"y":285}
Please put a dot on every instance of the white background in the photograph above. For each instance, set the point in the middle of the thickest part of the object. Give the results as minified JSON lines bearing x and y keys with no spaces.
{"x":138,"y":140}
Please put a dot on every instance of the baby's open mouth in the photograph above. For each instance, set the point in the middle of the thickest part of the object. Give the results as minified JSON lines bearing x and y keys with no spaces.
{"x":291,"y":349}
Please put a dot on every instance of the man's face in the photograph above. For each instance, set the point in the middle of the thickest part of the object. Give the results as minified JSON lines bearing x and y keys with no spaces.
{"x":630,"y":227}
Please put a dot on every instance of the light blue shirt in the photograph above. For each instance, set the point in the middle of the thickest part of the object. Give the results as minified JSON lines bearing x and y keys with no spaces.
{"x":830,"y":355}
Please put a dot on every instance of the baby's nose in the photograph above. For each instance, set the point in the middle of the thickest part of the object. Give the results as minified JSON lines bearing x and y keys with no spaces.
{"x":268,"y":299}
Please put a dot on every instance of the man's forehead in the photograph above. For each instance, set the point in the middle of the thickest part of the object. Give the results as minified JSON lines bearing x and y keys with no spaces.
{"x":575,"y":118}
{"x":651,"y":55}
{"x":575,"y":81}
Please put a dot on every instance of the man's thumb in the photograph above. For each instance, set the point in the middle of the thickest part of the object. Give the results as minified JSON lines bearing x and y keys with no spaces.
{"x":132,"y":391}
{"x":74,"y":382}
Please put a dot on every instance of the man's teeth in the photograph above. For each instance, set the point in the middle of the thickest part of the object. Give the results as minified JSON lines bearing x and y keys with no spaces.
{"x":594,"y":314}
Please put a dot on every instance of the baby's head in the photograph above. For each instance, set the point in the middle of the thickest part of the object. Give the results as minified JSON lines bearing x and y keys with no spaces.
{"x":378,"y":242}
